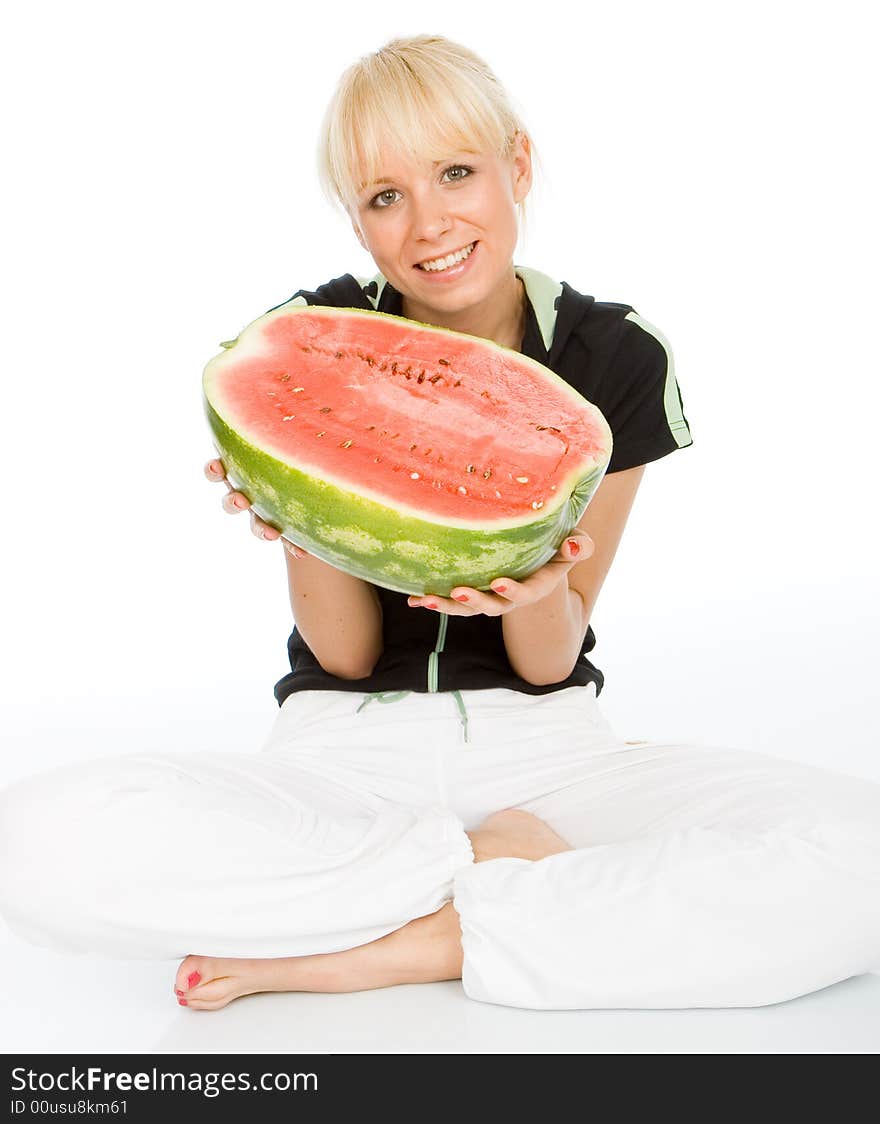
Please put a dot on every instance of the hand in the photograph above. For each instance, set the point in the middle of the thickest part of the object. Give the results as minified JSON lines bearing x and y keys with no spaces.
{"x":234,"y":502}
{"x":508,"y":594}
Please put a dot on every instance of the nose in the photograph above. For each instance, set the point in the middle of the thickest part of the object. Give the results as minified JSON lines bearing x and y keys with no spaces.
{"x":429,"y":219}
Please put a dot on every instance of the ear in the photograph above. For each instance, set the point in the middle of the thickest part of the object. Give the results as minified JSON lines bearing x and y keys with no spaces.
{"x":522,"y":167}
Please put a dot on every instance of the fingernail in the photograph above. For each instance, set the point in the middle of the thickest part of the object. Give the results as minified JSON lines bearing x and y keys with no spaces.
{"x":460,"y":596}
{"x":192,"y":979}
{"x":183,"y":1002}
{"x":500,"y":588}
{"x":573,"y":546}
{"x":430,"y":604}
{"x":178,"y":991}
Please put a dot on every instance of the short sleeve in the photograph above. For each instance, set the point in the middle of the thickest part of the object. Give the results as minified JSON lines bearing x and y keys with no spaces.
{"x":641,"y":399}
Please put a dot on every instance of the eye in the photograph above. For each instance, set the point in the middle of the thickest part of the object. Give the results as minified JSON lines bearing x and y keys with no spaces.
{"x":381,"y":201}
{"x":459,"y":168}
{"x":375,"y":201}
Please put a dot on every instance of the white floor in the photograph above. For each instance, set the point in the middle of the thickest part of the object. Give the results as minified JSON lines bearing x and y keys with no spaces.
{"x":54,"y":1002}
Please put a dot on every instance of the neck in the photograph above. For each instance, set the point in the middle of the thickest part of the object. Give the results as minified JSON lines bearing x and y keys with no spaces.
{"x":500,"y":318}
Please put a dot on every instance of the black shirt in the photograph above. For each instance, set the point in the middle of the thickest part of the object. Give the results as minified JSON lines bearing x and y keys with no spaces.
{"x":617,"y":361}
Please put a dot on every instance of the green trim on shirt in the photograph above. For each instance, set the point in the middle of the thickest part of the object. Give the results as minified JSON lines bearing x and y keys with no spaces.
{"x":671,"y":400}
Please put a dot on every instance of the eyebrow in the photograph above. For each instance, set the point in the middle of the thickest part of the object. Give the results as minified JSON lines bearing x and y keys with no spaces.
{"x":435,"y":164}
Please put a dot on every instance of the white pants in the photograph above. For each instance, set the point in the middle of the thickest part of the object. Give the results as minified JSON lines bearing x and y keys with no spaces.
{"x":699,"y":877}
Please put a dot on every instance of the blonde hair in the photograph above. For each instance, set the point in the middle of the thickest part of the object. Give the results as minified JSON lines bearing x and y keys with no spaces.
{"x":423,"y":95}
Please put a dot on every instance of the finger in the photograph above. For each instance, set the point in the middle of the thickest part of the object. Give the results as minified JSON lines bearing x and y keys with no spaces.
{"x":263,"y":530}
{"x":507,"y":588}
{"x":214,"y":470}
{"x":439,"y":604}
{"x":293,"y":549}
{"x":234,"y":502}
{"x":577,"y":547}
{"x":469,"y":603}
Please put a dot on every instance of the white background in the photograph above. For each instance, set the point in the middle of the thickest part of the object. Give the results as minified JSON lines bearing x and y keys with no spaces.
{"x":709,"y":164}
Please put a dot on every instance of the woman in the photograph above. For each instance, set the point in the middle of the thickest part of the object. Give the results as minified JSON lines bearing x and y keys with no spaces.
{"x":487,"y":824}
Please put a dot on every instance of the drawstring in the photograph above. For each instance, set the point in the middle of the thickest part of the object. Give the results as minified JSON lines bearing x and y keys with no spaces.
{"x":462,"y":712}
{"x":383,"y":697}
{"x":396,"y":696}
{"x":433,"y":675}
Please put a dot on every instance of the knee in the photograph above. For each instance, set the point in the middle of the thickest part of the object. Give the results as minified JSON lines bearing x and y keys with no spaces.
{"x":53,"y":844}
{"x":33,"y":830}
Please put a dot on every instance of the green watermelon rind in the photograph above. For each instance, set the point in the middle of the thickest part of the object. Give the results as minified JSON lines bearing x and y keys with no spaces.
{"x":381,"y":545}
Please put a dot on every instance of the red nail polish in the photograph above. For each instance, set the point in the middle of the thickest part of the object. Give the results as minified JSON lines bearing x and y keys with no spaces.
{"x":500,"y":588}
{"x":573,"y":546}
{"x":183,"y":1002}
{"x":178,"y":991}
{"x":192,"y":979}
{"x":461,"y":597}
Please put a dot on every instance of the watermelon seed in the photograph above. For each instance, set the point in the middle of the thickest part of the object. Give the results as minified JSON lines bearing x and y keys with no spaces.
{"x":522,"y":479}
{"x":538,"y":504}
{"x":445,"y":362}
{"x":371,"y":427}
{"x":553,"y":429}
{"x":411,"y":448}
{"x":434,"y":378}
{"x":484,"y":393}
{"x":393,"y":435}
{"x":371,"y":360}
{"x":321,"y":434}
{"x":421,"y":377}
{"x":462,"y":491}
{"x":305,"y":348}
{"x":540,"y":427}
{"x":325,"y":410}
{"x":289,"y":417}
{"x":497,"y":494}
{"x":487,"y":473}
{"x":340,"y":354}
{"x":297,"y":389}
{"x":427,"y":451}
{"x":470,"y":468}
{"x":375,"y":460}
{"x":382,"y":366}
{"x":413,"y":476}
{"x":457,"y":382}
{"x":284,"y":378}
{"x":345,"y":444}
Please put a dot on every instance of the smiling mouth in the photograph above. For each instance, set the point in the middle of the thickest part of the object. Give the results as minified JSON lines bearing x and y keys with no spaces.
{"x":437,"y":265}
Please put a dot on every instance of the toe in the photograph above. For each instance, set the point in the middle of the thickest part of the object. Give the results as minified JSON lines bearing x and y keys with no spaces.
{"x":216,"y":992}
{"x":192,"y":971}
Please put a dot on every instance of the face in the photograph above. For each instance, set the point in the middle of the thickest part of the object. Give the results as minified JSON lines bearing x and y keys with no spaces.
{"x":417,"y":214}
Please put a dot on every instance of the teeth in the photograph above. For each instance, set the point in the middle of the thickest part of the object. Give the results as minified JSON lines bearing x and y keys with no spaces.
{"x":444,"y":263}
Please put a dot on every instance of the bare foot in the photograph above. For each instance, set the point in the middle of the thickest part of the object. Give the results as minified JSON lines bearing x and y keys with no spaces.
{"x":425,"y":950}
{"x":513,"y":833}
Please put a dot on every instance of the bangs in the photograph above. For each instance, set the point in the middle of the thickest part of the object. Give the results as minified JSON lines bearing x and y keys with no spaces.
{"x":427,"y":108}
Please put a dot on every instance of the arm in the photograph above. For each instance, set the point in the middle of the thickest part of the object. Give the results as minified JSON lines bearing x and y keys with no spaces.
{"x":543,"y":639}
{"x":338,"y":616}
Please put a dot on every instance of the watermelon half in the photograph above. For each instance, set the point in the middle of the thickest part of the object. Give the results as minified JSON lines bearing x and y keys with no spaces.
{"x":413,"y":457}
